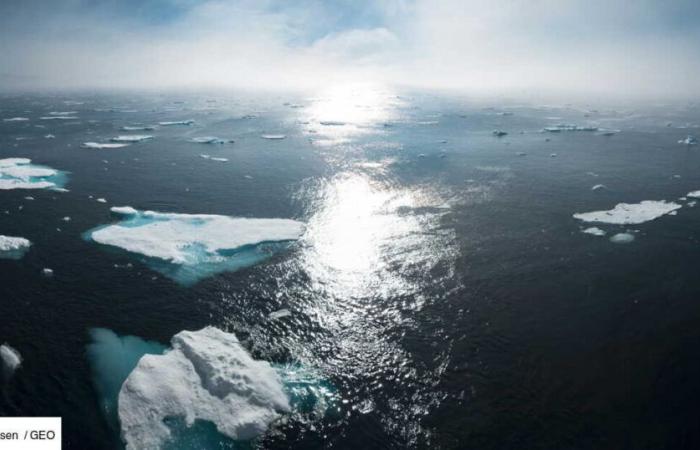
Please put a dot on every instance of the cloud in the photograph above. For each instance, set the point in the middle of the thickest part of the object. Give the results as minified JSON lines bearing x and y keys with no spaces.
{"x":646,"y":48}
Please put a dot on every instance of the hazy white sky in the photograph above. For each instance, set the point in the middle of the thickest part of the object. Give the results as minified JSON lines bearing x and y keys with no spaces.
{"x":639,"y":47}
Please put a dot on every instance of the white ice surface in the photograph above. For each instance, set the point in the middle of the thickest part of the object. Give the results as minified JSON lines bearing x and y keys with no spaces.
{"x":13,"y":243}
{"x":132,"y":138}
{"x":630,"y":214}
{"x":172,"y":237}
{"x":19,"y":173}
{"x":103,"y":145}
{"x":11,"y":358}
{"x":206,"y":376}
{"x":595,"y":231}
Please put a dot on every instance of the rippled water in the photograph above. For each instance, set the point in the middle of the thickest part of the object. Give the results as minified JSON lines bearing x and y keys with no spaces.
{"x":442,"y":286}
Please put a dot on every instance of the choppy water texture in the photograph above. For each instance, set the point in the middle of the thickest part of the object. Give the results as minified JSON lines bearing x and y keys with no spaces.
{"x":442,"y":290}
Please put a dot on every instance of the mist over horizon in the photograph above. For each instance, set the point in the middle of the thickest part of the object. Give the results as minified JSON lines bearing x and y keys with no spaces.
{"x":577,"y":48}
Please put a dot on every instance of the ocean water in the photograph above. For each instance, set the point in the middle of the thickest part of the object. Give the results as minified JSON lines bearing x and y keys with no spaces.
{"x":442,"y":290}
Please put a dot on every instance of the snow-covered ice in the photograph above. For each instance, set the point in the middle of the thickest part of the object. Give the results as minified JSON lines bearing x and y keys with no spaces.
{"x":103,"y":145}
{"x":595,"y":231}
{"x":273,"y":136}
{"x":207,"y":375}
{"x":214,"y":158}
{"x":132,"y":138}
{"x":622,"y":238}
{"x":630,"y":214}
{"x":20,"y":173}
{"x":13,"y":247}
{"x":194,"y":246}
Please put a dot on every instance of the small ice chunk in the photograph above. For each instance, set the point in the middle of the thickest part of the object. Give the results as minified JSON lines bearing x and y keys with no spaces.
{"x":101,"y":145}
{"x":622,"y":238}
{"x":66,"y":219}
{"x":275,"y":315}
{"x":568,"y":127}
{"x":628,"y":214}
{"x":47,"y":272}
{"x":595,"y":231}
{"x":11,"y":358}
{"x":177,"y":122}
{"x":101,"y":200}
{"x":499,"y":133}
{"x":49,"y":136}
{"x":132,"y":138}
{"x":207,"y":376}
{"x":209,"y":140}
{"x":138,"y":128}
{"x":58,"y":118}
{"x":29,"y":197}
{"x":213,"y":158}
{"x":689,"y":140}
{"x":694,"y":194}
{"x":553,"y":155}
{"x":16,"y":119}
{"x":598,"y":187}
{"x":331,"y":123}
{"x":273,"y":136}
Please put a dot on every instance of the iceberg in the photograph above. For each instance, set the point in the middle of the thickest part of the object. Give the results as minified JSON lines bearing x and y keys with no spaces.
{"x":16,"y":119}
{"x":630,"y":214}
{"x":10,"y":358}
{"x":132,"y":138}
{"x":103,"y":145}
{"x":188,"y":247}
{"x":178,"y":122}
{"x":204,"y":391}
{"x":689,"y":140}
{"x":12,"y":247}
{"x":20,"y":173}
{"x":273,"y":136}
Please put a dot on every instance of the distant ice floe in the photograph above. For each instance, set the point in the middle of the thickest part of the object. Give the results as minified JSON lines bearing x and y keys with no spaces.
{"x":178,"y":122}
{"x":132,"y":138}
{"x":188,"y":247}
{"x":622,"y":238}
{"x":20,"y":173}
{"x":689,"y":140}
{"x":214,"y":158}
{"x":59,"y":117}
{"x":103,"y":145}
{"x":16,"y":119}
{"x":598,"y":187}
{"x":210,"y":140}
{"x":12,"y":247}
{"x":694,"y":194}
{"x":10,"y":358}
{"x":273,"y":136}
{"x":595,"y":231}
{"x":630,"y":214}
{"x":158,"y":395}
{"x":568,"y":127}
{"x":138,"y":128}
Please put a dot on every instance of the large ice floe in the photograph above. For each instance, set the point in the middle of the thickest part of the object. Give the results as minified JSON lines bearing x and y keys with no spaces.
{"x":206,"y":389}
{"x":10,"y":359}
{"x":20,"y":173}
{"x":12,"y":247}
{"x":189,"y":247}
{"x":630,"y":213}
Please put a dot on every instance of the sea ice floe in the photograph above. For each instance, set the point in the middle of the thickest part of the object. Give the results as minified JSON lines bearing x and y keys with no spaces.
{"x":132,"y":138}
{"x":208,"y":376}
{"x":101,"y":200}
{"x":138,"y":128}
{"x":629,"y":214}
{"x":273,"y":136}
{"x":177,"y":122}
{"x":20,"y":173}
{"x":689,"y":140}
{"x":275,"y":315}
{"x":12,"y":247}
{"x":10,"y":358}
{"x":188,"y":247}
{"x":214,"y":158}
{"x":622,"y":238}
{"x":568,"y":127}
{"x":694,"y":194}
{"x":595,"y":231}
{"x":47,"y":272}
{"x":103,"y":145}
{"x":16,"y":119}
{"x":210,"y":140}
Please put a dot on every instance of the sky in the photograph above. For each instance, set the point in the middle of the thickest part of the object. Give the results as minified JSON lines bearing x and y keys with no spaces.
{"x":609,"y":47}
